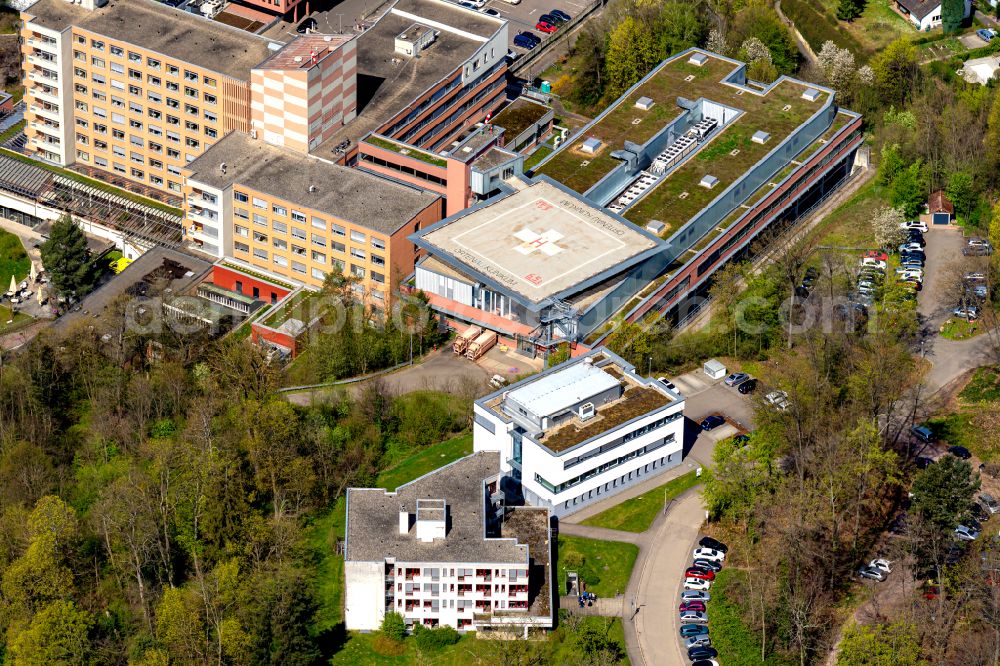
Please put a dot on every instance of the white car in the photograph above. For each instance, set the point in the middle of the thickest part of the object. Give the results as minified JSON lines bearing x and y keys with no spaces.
{"x":914,"y":224}
{"x":697,"y":641}
{"x":778,"y":399}
{"x":883,"y":565}
{"x":911,"y":247}
{"x":912,"y":274}
{"x":694,"y":617}
{"x":969,"y":313}
{"x":709,"y":554}
{"x":696,"y":584}
{"x":964,"y":533}
{"x":869,"y":261}
{"x":695,"y":595}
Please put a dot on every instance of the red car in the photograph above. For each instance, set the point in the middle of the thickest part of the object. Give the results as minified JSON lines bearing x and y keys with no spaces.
{"x":545,"y":27}
{"x":698,"y":606}
{"x":876,"y":254}
{"x":703,"y":574}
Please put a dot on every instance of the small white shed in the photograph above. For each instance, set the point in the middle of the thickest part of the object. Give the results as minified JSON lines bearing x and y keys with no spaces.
{"x":714,"y":369}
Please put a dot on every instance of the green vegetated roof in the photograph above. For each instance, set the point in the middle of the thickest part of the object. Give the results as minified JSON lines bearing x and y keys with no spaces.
{"x":300,"y":306}
{"x":519,"y":115}
{"x":626,"y":122}
{"x":408,"y":151}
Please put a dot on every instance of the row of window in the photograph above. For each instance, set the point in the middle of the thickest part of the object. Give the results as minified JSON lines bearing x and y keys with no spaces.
{"x":627,"y":437}
{"x":152,"y":96}
{"x":137,"y":59}
{"x":134,"y":173}
{"x":556,"y":489}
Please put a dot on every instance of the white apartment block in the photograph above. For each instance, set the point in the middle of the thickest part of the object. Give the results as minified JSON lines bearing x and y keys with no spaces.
{"x":444,"y":550}
{"x":581,"y":431}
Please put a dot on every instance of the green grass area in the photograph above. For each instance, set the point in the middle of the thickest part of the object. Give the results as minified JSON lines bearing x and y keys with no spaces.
{"x":984,"y":386}
{"x":13,"y":260}
{"x":10,"y":323}
{"x":98,"y":184}
{"x":738,"y":644}
{"x":320,"y":538}
{"x":260,"y":276}
{"x":303,"y":306}
{"x":877,"y":26}
{"x":424,"y":461}
{"x":605,"y":566}
{"x":407,"y":151}
{"x":519,"y":116}
{"x":540,"y":154}
{"x":638,"y":513}
{"x":953,"y":429}
{"x":848,"y":226}
{"x":960,"y":329}
{"x":558,"y":647}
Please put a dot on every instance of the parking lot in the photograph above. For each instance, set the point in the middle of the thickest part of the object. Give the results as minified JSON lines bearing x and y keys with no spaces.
{"x":524,"y":15}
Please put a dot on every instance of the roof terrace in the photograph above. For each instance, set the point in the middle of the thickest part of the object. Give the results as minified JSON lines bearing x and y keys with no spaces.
{"x":728,"y":154}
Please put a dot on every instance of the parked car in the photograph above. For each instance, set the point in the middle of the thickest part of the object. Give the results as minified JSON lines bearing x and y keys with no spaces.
{"x":922,"y":434}
{"x":705,"y":662}
{"x":914,"y":284}
{"x":558,"y":13}
{"x":688,"y":630}
{"x":810,"y":277}
{"x":914,"y":224}
{"x":696,"y":584}
{"x":871,"y":573}
{"x":549,"y":18}
{"x":877,"y":263}
{"x":911,"y":275}
{"x":741,"y":440}
{"x":960,"y":452}
{"x":692,"y":606}
{"x":711,"y":422}
{"x":709,"y":554}
{"x":990,"y":504}
{"x":778,"y":400}
{"x":711,"y":565}
{"x":882,"y":564}
{"x":697,"y":641}
{"x":910,"y":247}
{"x":699,"y":572}
{"x":917,"y":238}
{"x":975,"y":277}
{"x":694,"y":617}
{"x":702,"y":653}
{"x":714,"y":544}
{"x":986,"y":34}
{"x":524,"y":42}
{"x":922,"y":462}
{"x":666,"y":382}
{"x":966,"y":533}
{"x":695,"y":595}
{"x":489,"y":11}
{"x":747,"y":387}
{"x":542,"y":26}
{"x":967,"y":312}
{"x":735,"y":378}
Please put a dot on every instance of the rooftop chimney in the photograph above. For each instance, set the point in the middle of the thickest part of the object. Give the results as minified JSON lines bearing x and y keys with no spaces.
{"x":404,"y":520}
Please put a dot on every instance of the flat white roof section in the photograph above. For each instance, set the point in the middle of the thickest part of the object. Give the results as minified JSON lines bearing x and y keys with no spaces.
{"x":538,"y":242}
{"x":556,"y":392}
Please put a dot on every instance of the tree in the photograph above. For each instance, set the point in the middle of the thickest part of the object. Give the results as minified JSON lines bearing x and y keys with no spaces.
{"x":628,"y":56}
{"x":909,"y":191}
{"x":393,"y":626}
{"x":717,"y":42}
{"x":760,"y":21}
{"x":848,"y":10}
{"x":677,"y":27}
{"x":895,"y":71}
{"x":992,"y":137}
{"x":943,"y":492}
{"x":863,"y":645}
{"x":885,"y":226}
{"x":890,"y":165}
{"x":58,"y":634}
{"x":838,"y":65}
{"x":962,"y":192}
{"x":66,"y":258}
{"x":952,"y":15}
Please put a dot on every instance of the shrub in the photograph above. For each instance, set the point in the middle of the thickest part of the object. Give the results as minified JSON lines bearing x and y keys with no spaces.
{"x":393,"y":626}
{"x":435,"y":639}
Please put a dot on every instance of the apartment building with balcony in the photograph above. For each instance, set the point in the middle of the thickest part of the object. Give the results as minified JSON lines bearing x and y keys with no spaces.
{"x":133,"y":89}
{"x":582,"y":431}
{"x":299,"y":217}
{"x":446,"y":550}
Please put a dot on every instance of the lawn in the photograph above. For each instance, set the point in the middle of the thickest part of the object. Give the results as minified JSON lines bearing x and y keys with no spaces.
{"x":638,"y":513}
{"x":321,"y":537}
{"x":13,"y":260}
{"x":848,"y":226}
{"x":960,"y":329}
{"x":983,"y":387}
{"x":427,"y":460}
{"x":877,"y":26}
{"x":738,"y":644}
{"x":540,"y":154}
{"x":605,"y":566}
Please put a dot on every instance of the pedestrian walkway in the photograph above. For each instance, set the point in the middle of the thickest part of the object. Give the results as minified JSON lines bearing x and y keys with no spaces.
{"x":601,"y":533}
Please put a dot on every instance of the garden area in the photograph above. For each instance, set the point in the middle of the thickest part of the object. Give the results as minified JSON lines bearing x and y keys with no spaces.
{"x":975,"y":423}
{"x":638,"y":513}
{"x":604,"y":566}
{"x":877,"y":26}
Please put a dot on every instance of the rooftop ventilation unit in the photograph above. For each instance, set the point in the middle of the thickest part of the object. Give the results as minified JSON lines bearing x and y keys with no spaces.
{"x":811,"y":95}
{"x":760,"y":136}
{"x":698,"y":59}
{"x":709,"y":181}
{"x":656,"y":226}
{"x":590,"y":145}
{"x":644,"y":104}
{"x":414,"y":39}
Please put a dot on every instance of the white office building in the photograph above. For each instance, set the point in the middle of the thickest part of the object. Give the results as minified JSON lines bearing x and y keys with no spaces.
{"x":582,"y":431}
{"x":445,"y":549}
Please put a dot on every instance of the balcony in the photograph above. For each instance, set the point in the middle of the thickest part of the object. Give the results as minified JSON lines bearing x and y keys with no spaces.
{"x":42,"y":43}
{"x":40,"y":59}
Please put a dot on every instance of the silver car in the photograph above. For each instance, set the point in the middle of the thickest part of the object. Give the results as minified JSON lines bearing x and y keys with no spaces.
{"x":694,"y":617}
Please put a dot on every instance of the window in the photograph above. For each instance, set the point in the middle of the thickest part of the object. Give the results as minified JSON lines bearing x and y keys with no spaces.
{"x":99,"y":79}
{"x":83,"y":156}
{"x":210,"y":99}
{"x":155,"y":147}
{"x":80,"y":88}
{"x":358,"y":237}
{"x":259,"y":203}
{"x":154,"y":80}
{"x":135,"y":140}
{"x":154,"y":97}
{"x":241,"y":213}
{"x":134,"y":74}
{"x":173,"y":103}
{"x":259,"y":237}
{"x":134,"y":57}
{"x":172,"y":69}
{"x":156,"y":164}
{"x":117,"y":51}
{"x":338,"y":230}
{"x":299,"y":250}
{"x":118,"y":150}
{"x":279,"y":210}
{"x":377,"y":260}
{"x":100,"y":161}
{"x":191,"y":92}
{"x":318,"y":223}
{"x":298,"y":267}
{"x":260,"y":254}
{"x":211,"y":117}
{"x":173,"y":136}
{"x":136,"y":173}
{"x":118,"y":118}
{"x":358,"y":254}
{"x":135,"y":90}
{"x":193,"y":127}
{"x":100,"y":145}
{"x":152,"y":64}
{"x":82,"y":106}
{"x":280,"y":227}
{"x":338,"y":247}
{"x":318,"y":240}
{"x":280,"y":261}
{"x":241,"y":247}
{"x":280,"y":244}
{"x":118,"y":85}
{"x":378,"y":277}
{"x":318,"y":274}
{"x":378,"y":243}
{"x":298,"y":217}
{"x":173,"y":153}
{"x":357,"y":271}
{"x":155,"y":113}
{"x":97,"y":45}
{"x":80,"y":122}
{"x":97,"y":62}
{"x":211,"y":133}
{"x":190,"y":76}
{"x":135,"y":108}
{"x":98,"y":111}
{"x":155,"y":180}
{"x":82,"y":138}
{"x":173,"y":86}
{"x":298,"y":233}
{"x":99,"y":96}
{"x":239,"y":196}
{"x":137,"y":124}
{"x":117,"y":68}
{"x":243,"y":232}
{"x":260,"y":219}
{"x":173,"y":120}
{"x":318,"y":257}
{"x":191,"y":109}
{"x":155,"y":130}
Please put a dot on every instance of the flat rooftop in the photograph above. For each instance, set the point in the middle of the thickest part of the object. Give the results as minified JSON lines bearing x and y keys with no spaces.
{"x":519,"y":115}
{"x":349,"y":194}
{"x":557,"y":391}
{"x":304,"y":48}
{"x":162,"y":29}
{"x":389,"y":81}
{"x":779,"y":111}
{"x":373,"y":518}
{"x":538,"y":242}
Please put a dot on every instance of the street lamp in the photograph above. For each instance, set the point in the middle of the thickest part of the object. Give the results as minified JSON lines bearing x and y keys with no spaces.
{"x":649,"y":367}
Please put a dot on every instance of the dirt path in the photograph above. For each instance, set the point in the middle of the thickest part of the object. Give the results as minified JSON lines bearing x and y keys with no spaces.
{"x":800,"y":41}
